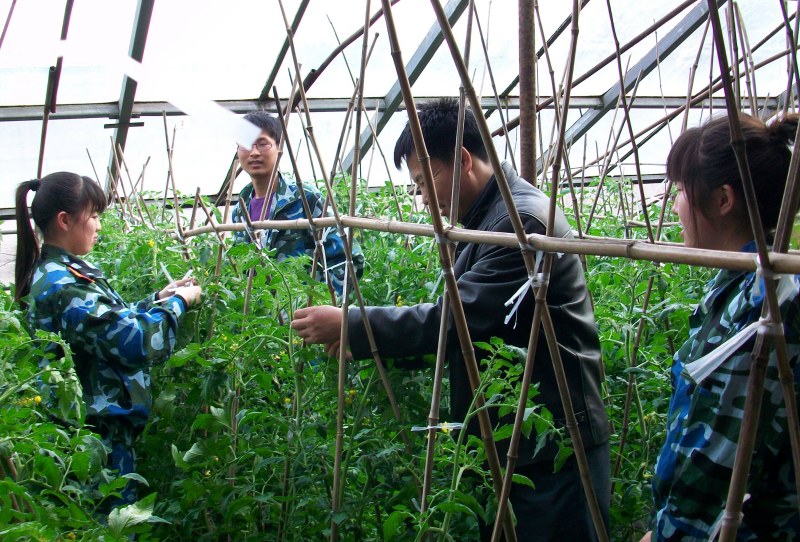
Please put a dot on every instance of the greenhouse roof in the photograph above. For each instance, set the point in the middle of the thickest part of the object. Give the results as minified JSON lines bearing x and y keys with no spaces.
{"x":194,"y":53}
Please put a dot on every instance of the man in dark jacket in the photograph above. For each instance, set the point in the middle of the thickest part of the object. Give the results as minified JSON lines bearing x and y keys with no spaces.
{"x":488,"y":276}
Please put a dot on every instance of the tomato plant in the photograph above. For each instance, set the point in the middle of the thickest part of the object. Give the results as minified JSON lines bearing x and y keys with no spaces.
{"x":241,"y":439}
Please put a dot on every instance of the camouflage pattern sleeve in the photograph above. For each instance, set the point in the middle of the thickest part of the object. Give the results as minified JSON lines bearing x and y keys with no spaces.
{"x":113,"y":343}
{"x":694,"y":468}
{"x":287,"y":204}
{"x":115,"y":332}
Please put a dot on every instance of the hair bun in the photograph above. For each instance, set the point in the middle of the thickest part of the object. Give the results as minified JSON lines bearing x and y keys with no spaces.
{"x":784,"y":129}
{"x":34,"y":184}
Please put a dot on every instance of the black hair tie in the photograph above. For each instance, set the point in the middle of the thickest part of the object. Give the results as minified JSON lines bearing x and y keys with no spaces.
{"x":35,"y":184}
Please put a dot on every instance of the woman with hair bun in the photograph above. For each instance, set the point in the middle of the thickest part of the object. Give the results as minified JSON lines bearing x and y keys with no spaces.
{"x":711,"y":370}
{"x":113,"y":342}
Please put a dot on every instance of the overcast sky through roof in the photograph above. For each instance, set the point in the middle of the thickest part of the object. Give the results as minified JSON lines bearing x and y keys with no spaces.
{"x":204,"y":51}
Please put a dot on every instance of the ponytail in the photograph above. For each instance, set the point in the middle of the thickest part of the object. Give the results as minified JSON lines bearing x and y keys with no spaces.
{"x":27,"y":244}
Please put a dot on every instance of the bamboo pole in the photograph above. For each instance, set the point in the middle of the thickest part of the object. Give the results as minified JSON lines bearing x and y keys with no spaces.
{"x":348,"y":243}
{"x":134,"y":195}
{"x":734,"y":48}
{"x":336,"y":221}
{"x":348,"y":240}
{"x":731,"y":516}
{"x":542,"y":311}
{"x":169,"y":157}
{"x":8,"y":22}
{"x":444,"y":325}
{"x":118,"y":182}
{"x":794,"y":71}
{"x":194,"y":208}
{"x":527,"y":89}
{"x":513,"y":123}
{"x":747,"y":57}
{"x":632,"y":249}
{"x":444,"y":252}
{"x":316,"y":72}
{"x":506,"y":137}
{"x":627,"y":120}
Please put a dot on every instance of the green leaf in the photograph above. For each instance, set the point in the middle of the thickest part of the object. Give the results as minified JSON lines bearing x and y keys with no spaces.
{"x":522,"y":480}
{"x":197,"y":452}
{"x":391,"y":526}
{"x":122,"y":519}
{"x":178,"y":458}
{"x":452,"y":507}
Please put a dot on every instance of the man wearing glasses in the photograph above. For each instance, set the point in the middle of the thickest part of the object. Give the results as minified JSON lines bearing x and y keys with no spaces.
{"x":283,"y":201}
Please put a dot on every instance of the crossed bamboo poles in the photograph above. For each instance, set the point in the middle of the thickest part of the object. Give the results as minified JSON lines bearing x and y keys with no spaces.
{"x":595,"y":246}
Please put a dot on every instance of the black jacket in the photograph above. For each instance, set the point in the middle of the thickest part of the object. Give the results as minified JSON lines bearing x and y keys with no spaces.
{"x":488,"y":276}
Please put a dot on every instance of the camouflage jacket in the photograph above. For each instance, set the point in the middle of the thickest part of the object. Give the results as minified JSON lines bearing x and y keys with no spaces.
{"x":694,"y":468}
{"x":113,"y":343}
{"x":287,"y":204}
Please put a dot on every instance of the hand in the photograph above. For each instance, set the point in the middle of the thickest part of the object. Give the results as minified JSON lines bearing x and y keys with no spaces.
{"x":333,"y":351}
{"x":646,"y":537}
{"x":170,"y":288}
{"x":318,"y":325}
{"x":190,"y":294}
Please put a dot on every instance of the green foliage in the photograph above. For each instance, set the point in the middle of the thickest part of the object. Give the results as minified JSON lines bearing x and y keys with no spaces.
{"x":242,"y":436}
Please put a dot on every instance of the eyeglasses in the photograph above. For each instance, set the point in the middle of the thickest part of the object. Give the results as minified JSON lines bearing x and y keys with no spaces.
{"x":261,"y":146}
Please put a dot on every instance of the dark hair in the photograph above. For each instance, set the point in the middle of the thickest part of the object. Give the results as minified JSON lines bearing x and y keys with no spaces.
{"x":702,"y":159}
{"x":267,"y":123}
{"x":439,"y":122}
{"x":56,"y":192}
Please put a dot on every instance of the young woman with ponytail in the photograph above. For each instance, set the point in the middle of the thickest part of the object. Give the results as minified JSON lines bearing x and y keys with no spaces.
{"x":694,"y":469}
{"x":113,"y":342}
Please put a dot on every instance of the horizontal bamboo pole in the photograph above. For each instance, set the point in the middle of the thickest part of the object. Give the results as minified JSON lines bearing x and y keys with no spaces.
{"x":595,"y":246}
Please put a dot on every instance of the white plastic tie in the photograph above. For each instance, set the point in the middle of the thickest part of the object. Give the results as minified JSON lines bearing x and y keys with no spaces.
{"x":699,"y":369}
{"x":444,"y":426}
{"x":534,"y":281}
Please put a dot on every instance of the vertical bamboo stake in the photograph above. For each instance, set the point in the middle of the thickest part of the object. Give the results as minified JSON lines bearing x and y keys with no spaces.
{"x":488,"y":66}
{"x":444,"y":252}
{"x":734,"y":47}
{"x":194,"y":208}
{"x":527,"y":90}
{"x":169,"y":157}
{"x":348,"y":240}
{"x":118,"y":182}
{"x":349,"y":262}
{"x":771,"y":309}
{"x":794,"y":70}
{"x":441,"y":351}
{"x":133,"y":195}
{"x":627,"y":120}
{"x":542,"y":309}
{"x":747,"y":57}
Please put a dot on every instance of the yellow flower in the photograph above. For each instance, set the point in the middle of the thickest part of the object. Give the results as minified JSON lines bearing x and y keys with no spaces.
{"x":37,"y":399}
{"x":151,"y":243}
{"x":445,"y":427}
{"x":400,"y":302}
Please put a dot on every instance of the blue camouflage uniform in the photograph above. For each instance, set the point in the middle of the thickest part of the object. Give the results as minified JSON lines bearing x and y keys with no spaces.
{"x":113,"y":345}
{"x":287,"y":204}
{"x":694,"y":468}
